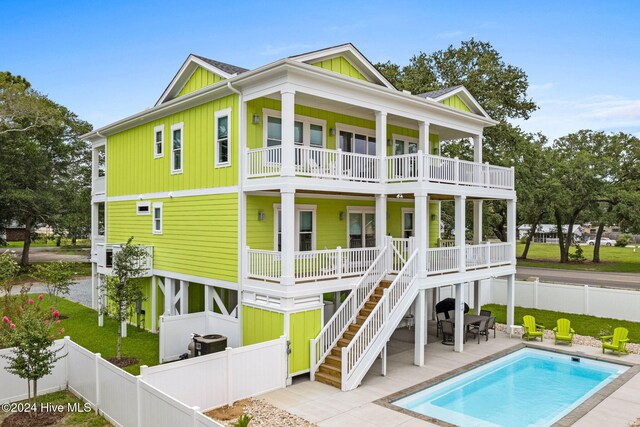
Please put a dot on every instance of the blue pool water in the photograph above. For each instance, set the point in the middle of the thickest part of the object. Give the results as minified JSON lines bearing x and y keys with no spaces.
{"x":529,"y":387}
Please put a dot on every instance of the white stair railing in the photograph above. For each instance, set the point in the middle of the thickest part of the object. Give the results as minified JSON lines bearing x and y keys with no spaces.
{"x":400,"y":251}
{"x":321,"y":346}
{"x":358,"y":356}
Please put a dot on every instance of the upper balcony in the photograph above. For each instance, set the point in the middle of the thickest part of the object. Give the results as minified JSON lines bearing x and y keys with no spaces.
{"x":345,"y":166}
{"x":105,"y":253}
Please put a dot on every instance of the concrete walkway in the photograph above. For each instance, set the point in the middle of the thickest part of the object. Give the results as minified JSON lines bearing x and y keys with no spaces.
{"x":328,"y":406}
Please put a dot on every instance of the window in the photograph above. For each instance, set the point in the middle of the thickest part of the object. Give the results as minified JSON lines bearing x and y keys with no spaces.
{"x":223,"y":138}
{"x":307,"y":131}
{"x":176,"y":148}
{"x":157,"y":218}
{"x":158,"y":141}
{"x":143,"y":208}
{"x":407,"y":223}
{"x":305,"y":228}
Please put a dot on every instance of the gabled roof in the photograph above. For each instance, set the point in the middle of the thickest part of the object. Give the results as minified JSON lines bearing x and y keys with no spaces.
{"x":221,"y":69}
{"x":352,"y":55}
{"x":461,"y":92}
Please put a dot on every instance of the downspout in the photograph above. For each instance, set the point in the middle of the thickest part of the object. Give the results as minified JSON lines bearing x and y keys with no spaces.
{"x":241,"y":202}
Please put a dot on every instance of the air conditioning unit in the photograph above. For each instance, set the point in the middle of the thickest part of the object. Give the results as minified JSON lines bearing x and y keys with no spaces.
{"x":208,"y":344}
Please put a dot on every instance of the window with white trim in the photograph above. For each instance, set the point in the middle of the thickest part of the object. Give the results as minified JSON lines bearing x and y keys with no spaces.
{"x":305,"y":228}
{"x":223,"y":138}
{"x":157,"y":218}
{"x":143,"y":208}
{"x":158,"y":141}
{"x":407,"y":222}
{"x":177,"y":145}
{"x":307,"y":131}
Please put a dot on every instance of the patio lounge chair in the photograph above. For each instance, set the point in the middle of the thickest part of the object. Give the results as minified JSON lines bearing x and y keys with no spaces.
{"x":485,"y":313}
{"x":564,"y":332}
{"x":531,"y":328}
{"x":617,"y":341}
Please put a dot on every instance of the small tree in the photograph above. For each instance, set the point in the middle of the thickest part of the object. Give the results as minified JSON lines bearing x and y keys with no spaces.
{"x":123,"y":288}
{"x":57,"y":277}
{"x":31,"y":335}
{"x":8,"y":270}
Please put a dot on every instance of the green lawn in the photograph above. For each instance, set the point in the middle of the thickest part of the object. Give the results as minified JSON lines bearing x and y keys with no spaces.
{"x":582,"y":324}
{"x":613,"y":259}
{"x":65,"y":243}
{"x":82,"y":326}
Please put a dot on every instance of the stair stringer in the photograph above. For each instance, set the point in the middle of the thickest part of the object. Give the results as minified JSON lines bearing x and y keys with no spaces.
{"x":374,"y":349}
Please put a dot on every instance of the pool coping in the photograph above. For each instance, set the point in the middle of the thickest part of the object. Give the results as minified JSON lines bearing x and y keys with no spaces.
{"x":567,"y":420}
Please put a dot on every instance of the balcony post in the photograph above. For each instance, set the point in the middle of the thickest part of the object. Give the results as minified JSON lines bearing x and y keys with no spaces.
{"x":456,"y":170}
{"x":339,"y":264}
{"x":340,"y":164}
{"x":459,"y":310}
{"x":288,"y":217}
{"x":423,"y":137}
{"x":288,"y":123}
{"x":511,"y":228}
{"x":381,"y":219}
{"x":460,"y":231}
{"x":420,"y":175}
{"x":420,"y":216}
{"x":381,"y":144}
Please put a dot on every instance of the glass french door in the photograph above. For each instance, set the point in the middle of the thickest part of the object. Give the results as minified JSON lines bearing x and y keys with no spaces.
{"x":362,"y":230}
{"x":354,"y":142}
{"x":401,"y":147}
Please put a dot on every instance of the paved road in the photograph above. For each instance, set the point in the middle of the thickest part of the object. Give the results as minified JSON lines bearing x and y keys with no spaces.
{"x":616,"y":280}
{"x":48,"y":254}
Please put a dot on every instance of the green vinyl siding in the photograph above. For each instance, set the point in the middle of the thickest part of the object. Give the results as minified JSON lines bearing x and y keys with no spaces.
{"x":255,"y":131}
{"x":303,"y":326}
{"x":196,"y":297}
{"x":133,"y":169}
{"x":199,"y":79}
{"x":434,"y":224}
{"x":455,"y":102}
{"x":200,"y":234}
{"x":342,"y":66}
{"x":259,"y":325}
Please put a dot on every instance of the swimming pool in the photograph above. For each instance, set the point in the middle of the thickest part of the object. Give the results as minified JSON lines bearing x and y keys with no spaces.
{"x":528,"y":387}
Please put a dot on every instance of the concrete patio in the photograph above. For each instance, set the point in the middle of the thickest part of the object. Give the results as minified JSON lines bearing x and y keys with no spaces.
{"x":328,"y":406}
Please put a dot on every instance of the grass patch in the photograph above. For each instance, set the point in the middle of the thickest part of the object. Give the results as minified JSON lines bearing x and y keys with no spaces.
{"x":83,"y":419}
{"x":82,"y":326}
{"x":614,"y":259}
{"x":51,"y":243}
{"x":583,"y":325}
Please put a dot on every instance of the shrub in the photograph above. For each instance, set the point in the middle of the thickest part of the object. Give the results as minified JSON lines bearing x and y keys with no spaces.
{"x":578,"y":255}
{"x":623,"y":240}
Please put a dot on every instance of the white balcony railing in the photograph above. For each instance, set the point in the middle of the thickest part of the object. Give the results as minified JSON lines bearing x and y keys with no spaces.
{"x":488,"y":255}
{"x":311,"y":265}
{"x":443,"y":260}
{"x":98,"y":186}
{"x":340,"y":165}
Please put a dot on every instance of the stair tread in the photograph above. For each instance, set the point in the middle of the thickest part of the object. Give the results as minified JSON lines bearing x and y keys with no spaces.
{"x":328,"y":379}
{"x":333,"y":370}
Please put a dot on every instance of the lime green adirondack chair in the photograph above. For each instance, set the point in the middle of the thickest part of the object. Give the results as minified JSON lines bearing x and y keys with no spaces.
{"x":564,"y":332}
{"x":531,"y":329}
{"x":618,"y":341}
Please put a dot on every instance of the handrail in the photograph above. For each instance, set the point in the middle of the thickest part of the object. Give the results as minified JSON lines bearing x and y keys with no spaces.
{"x":357,"y":347}
{"x":321,"y":346}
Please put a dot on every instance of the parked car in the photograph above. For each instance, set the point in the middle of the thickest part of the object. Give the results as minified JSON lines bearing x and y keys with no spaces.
{"x":603,"y":242}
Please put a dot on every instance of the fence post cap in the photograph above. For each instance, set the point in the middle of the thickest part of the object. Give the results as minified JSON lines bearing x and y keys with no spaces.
{"x":98,"y":355}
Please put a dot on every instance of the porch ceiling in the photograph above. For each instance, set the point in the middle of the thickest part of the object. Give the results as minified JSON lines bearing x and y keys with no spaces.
{"x":347,"y":195}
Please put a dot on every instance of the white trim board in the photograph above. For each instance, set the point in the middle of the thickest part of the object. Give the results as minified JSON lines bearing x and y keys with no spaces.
{"x":175,"y":194}
{"x":196,"y":279}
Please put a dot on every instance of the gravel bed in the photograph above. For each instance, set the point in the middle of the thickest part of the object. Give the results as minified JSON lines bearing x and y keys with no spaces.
{"x":577,"y":339}
{"x":264,"y":414}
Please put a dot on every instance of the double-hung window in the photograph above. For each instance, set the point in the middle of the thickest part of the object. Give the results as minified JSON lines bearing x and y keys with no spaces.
{"x":407,"y":223}
{"x":223,"y":138}
{"x":158,"y":141}
{"x":157,"y":218}
{"x":177,"y":145}
{"x":305,"y":228}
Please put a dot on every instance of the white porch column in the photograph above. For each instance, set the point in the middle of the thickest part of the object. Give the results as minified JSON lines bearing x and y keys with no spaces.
{"x":381,"y":219}
{"x":154,"y":299}
{"x":208,"y":299}
{"x":420,"y":318}
{"x":460,"y":230}
{"x":423,"y":137}
{"x":168,"y":296}
{"x":381,"y":143}
{"x":288,"y":202}
{"x":288,"y":120}
{"x":184,"y":297}
{"x":511,"y":228}
{"x":459,"y":329}
{"x":511,"y":300}
{"x":94,"y":285}
{"x":420,"y":216}
{"x":477,"y":148}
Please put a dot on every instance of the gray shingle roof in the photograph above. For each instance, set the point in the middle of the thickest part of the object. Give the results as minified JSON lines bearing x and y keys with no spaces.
{"x":227,"y":68}
{"x":438,"y":93}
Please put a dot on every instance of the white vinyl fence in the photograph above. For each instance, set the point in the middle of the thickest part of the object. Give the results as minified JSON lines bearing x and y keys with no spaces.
{"x":222,"y":378}
{"x":175,"y":331}
{"x":155,"y":398}
{"x":622,"y":304}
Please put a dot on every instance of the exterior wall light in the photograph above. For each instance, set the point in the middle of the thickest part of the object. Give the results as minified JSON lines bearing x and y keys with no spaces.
{"x":332,"y":131}
{"x":255,"y":119}
{"x":341,"y":215}
{"x":262,"y":215}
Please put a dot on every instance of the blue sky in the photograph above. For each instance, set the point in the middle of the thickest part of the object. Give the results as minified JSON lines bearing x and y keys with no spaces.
{"x":106,"y":60}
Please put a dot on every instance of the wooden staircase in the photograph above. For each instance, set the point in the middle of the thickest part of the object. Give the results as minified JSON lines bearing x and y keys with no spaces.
{"x":330,"y":371}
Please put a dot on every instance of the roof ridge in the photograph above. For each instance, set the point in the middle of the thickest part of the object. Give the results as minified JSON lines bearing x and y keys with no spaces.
{"x":223,"y":66}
